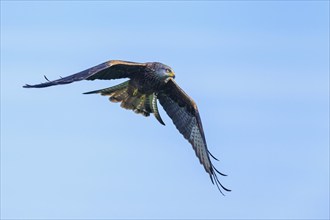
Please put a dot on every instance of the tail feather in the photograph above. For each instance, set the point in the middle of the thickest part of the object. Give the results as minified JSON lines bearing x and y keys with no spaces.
{"x":128,"y":103}
{"x":119,"y":95}
{"x":131,"y":99}
{"x":136,"y":103}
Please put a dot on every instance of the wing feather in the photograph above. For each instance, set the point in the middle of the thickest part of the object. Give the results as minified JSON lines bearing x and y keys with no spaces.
{"x":184,"y":113}
{"x":113,"y":69}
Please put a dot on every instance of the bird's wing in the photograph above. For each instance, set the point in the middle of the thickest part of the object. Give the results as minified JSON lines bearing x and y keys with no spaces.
{"x":184,"y":114}
{"x":113,"y":69}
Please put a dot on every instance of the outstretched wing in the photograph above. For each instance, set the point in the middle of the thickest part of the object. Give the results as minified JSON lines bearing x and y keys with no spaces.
{"x":184,"y":114}
{"x":113,"y":69}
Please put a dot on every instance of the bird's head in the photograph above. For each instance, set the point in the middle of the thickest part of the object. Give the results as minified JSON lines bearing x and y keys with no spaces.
{"x":163,"y":71}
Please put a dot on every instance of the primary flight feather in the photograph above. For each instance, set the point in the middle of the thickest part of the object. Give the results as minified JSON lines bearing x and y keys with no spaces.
{"x":149,"y":82}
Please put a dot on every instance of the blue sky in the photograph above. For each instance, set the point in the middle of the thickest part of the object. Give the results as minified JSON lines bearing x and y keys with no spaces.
{"x":259,"y":72}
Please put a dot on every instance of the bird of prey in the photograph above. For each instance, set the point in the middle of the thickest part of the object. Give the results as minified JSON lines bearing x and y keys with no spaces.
{"x":147,"y":83}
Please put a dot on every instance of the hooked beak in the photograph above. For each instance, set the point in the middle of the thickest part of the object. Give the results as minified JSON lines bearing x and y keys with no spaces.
{"x":172,"y":74}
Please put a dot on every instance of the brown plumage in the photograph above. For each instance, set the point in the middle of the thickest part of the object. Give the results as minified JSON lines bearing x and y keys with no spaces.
{"x":147,"y":83}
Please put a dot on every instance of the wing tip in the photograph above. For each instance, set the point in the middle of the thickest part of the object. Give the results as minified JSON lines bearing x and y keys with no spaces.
{"x":46,"y":78}
{"x":212,"y":156}
{"x":27,"y":86}
{"x":214,"y":179}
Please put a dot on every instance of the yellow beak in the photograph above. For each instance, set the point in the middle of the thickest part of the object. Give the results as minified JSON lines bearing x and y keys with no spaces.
{"x":171,"y":74}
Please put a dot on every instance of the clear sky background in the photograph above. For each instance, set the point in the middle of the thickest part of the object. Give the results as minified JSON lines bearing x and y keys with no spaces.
{"x":259,"y":72}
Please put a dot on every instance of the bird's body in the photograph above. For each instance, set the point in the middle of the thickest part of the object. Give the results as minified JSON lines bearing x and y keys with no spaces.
{"x":149,"y":82}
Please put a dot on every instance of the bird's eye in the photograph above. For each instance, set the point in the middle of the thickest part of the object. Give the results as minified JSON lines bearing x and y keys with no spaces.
{"x":168,"y":70}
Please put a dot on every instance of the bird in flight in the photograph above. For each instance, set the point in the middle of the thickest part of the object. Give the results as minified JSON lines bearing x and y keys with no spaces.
{"x":149,"y":82}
